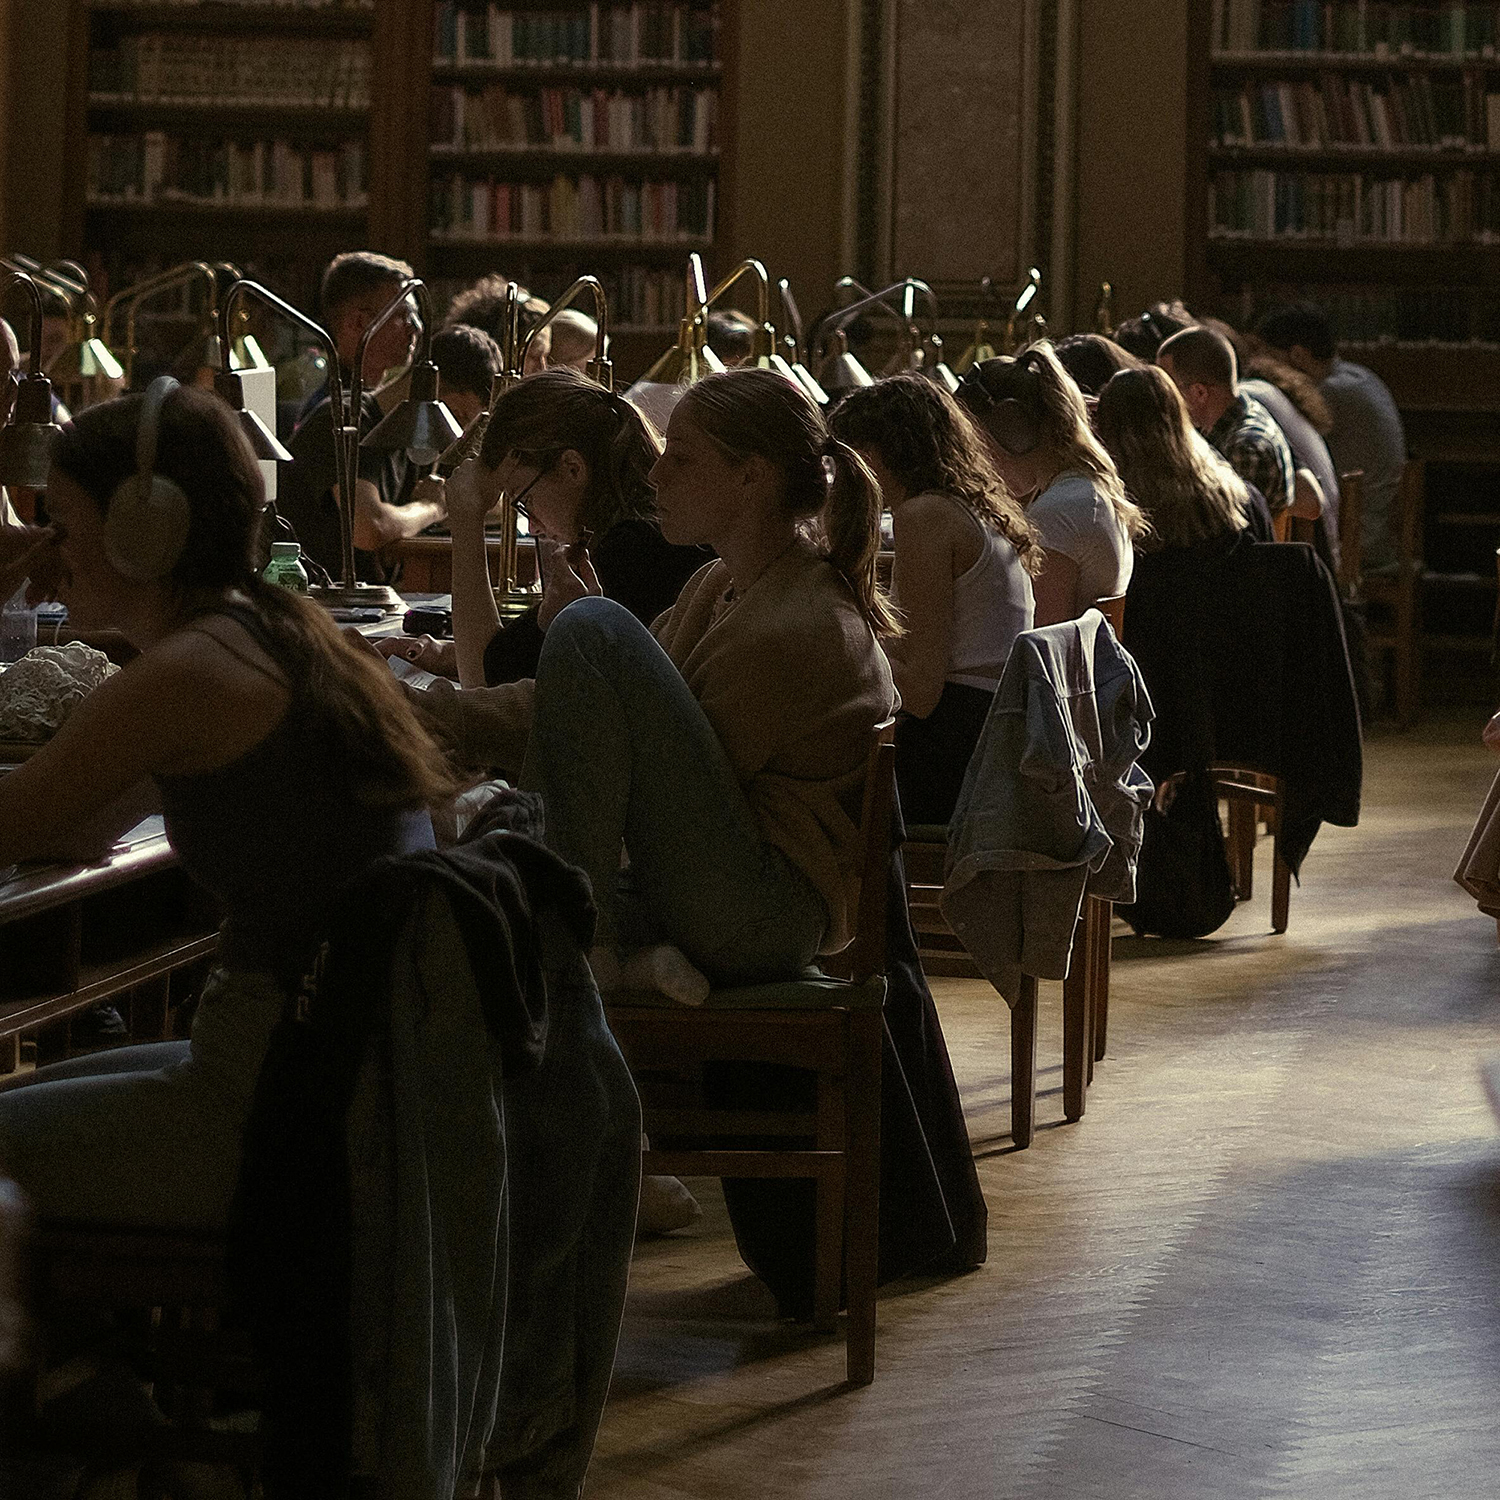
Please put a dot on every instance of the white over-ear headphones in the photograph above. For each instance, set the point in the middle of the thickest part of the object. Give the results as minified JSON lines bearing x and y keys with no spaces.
{"x":146,"y":526}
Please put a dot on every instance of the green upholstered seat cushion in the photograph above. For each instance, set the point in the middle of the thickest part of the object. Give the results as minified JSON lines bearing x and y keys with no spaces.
{"x":811,"y":993}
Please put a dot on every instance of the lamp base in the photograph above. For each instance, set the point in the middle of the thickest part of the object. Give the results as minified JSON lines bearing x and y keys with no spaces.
{"x":358,"y":596}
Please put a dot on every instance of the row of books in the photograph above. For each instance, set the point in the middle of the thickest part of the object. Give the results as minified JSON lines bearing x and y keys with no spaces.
{"x":657,"y":31}
{"x":365,"y":5}
{"x":1416,"y":110}
{"x":1351,"y":208}
{"x":586,"y":207}
{"x":1409,"y":314}
{"x":659,"y":119}
{"x":1439,"y":28}
{"x":639,"y":296}
{"x":154,"y":167}
{"x":192,"y":69}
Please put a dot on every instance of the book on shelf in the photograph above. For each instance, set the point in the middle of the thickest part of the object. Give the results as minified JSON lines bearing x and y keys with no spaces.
{"x":232,"y":5}
{"x":1415,"y":110}
{"x":152,"y":167}
{"x":1351,"y":208}
{"x":160,"y":68}
{"x":1383,"y":314}
{"x":605,"y":35}
{"x":1439,"y":28}
{"x":675,"y":119}
{"x":585,"y":207}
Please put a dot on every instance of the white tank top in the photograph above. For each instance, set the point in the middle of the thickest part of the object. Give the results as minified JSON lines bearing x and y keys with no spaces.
{"x":992,"y":605}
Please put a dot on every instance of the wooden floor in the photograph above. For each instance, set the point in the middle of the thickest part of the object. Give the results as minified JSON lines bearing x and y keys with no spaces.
{"x":1265,"y":1263}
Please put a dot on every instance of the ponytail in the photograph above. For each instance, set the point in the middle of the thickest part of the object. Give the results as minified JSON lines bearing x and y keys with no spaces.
{"x":850,"y":524}
{"x":753,"y":413}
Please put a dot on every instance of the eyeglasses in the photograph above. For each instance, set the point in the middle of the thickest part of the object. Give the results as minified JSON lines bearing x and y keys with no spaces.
{"x":519,"y":501}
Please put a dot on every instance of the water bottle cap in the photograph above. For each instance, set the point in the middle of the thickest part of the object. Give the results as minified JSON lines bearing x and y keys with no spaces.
{"x":291,"y":551}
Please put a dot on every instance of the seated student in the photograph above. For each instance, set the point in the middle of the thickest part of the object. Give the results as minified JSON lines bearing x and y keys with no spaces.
{"x":1366,"y":434}
{"x":356,"y":287}
{"x":483,"y":306}
{"x":467,"y":359}
{"x":731,"y":335}
{"x":1091,"y":359}
{"x":574,"y":335}
{"x":1144,"y":335}
{"x":724,"y":750}
{"x":1033,"y":417}
{"x":579,"y":459}
{"x":276,"y":792}
{"x":1202,"y":364}
{"x":964,"y":556}
{"x":1190,"y":495}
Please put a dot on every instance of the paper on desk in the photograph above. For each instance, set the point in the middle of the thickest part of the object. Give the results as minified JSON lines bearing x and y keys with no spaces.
{"x":413,"y":676}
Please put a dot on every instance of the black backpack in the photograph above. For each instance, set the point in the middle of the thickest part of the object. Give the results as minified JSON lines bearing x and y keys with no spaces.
{"x":1183,"y":887}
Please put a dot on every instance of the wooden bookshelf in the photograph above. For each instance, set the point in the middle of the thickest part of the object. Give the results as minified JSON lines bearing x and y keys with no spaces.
{"x":1423,"y":309}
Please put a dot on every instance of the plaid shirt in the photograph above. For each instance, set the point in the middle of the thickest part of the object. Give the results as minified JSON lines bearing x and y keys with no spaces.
{"x":1247,"y":435}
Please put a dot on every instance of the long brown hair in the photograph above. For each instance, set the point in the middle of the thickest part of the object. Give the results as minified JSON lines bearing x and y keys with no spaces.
{"x":1188,"y":491}
{"x":930,"y":443}
{"x":754,"y":413}
{"x":554,"y":410}
{"x":1050,"y":400}
{"x":365,"y":717}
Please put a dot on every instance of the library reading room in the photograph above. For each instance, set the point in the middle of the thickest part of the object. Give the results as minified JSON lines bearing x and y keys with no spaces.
{"x":749,"y":749}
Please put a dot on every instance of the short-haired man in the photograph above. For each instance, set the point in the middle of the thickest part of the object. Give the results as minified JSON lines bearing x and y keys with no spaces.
{"x":356,"y":288}
{"x":467,"y":359}
{"x":1202,"y":365}
{"x":1367,"y":432}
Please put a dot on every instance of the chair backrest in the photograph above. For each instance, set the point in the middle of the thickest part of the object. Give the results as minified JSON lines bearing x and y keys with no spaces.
{"x":865,"y":955}
{"x":1411,"y":501}
{"x":1113,"y":610}
{"x":1281,"y":526}
{"x":1351,"y":527}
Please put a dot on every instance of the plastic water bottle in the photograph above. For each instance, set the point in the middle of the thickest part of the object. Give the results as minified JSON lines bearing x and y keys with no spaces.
{"x":285,"y":567}
{"x":17,"y":627}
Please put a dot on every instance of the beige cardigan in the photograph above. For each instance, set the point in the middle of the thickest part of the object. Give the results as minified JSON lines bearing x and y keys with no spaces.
{"x":793,"y":682}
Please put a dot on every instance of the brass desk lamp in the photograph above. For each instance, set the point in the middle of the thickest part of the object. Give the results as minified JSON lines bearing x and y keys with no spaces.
{"x":658,"y":391}
{"x":763,"y":351}
{"x":1012,"y":340}
{"x":1104,"y":311}
{"x":793,"y":341}
{"x":599,"y":367}
{"x":227,"y":384}
{"x":26,"y":439}
{"x":980,"y":348}
{"x":131,"y":298}
{"x":838,"y":369}
{"x":245,"y":350}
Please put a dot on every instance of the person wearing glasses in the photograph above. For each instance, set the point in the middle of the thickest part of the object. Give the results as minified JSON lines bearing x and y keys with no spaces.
{"x":576,"y":460}
{"x":389,"y":505}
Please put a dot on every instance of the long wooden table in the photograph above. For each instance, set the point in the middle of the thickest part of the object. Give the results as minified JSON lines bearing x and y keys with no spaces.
{"x":73,"y":935}
{"x":427,"y":562}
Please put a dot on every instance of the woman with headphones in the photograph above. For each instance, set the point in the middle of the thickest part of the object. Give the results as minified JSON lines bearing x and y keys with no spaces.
{"x":1037,"y":425}
{"x":286,"y":762}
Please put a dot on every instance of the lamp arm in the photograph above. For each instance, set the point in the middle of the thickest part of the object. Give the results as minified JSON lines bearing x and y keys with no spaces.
{"x":21,"y":278}
{"x":592,"y":285}
{"x":246,"y":288}
{"x":131,"y":297}
{"x":791,"y":316}
{"x":749,"y":267}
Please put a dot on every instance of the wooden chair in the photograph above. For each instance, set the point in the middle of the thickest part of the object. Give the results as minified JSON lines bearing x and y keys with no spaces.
{"x":1085,"y":991}
{"x":1398,"y":594}
{"x":1252,"y":796}
{"x":831,"y":1027}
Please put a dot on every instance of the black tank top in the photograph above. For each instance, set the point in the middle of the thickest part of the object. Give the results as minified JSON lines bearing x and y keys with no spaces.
{"x":274,"y":835}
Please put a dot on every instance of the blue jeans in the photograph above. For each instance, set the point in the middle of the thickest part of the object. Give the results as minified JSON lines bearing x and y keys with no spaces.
{"x":146,"y":1135}
{"x":624,"y":756}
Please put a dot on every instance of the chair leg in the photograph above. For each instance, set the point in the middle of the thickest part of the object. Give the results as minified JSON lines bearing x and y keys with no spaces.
{"x":1281,"y":893}
{"x":1242,"y":848}
{"x":830,"y":1204}
{"x":1023,"y":1064}
{"x":862,"y":1195}
{"x":1076,"y":1044}
{"x":1104,"y":915}
{"x":1407,"y":653}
